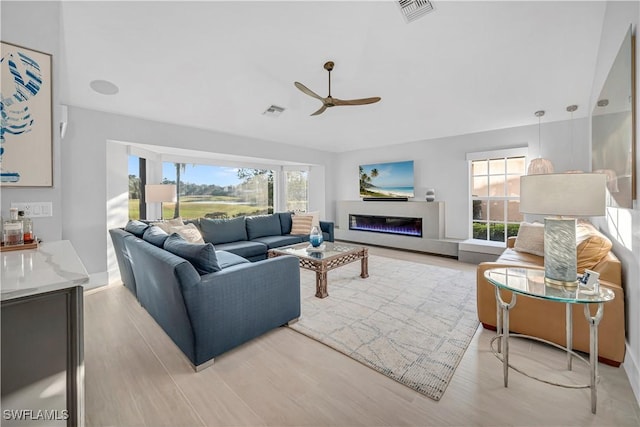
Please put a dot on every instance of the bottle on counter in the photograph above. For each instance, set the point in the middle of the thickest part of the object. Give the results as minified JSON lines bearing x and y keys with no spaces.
{"x":27,"y":227}
{"x":12,"y":231}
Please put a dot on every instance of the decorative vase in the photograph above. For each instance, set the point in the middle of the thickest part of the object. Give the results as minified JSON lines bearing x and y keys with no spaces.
{"x":430,"y":195}
{"x":315,"y":237}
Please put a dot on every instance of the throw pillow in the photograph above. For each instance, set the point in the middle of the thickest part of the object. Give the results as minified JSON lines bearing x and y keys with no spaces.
{"x":592,"y":246}
{"x":189,"y":232}
{"x":530,"y":238}
{"x":316,"y":218}
{"x":136,"y":227}
{"x":202,"y":257}
{"x":167,"y":224}
{"x":155,"y":235}
{"x":301,"y":224}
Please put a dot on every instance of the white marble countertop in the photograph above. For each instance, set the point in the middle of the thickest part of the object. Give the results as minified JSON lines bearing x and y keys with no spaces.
{"x":53,"y":266}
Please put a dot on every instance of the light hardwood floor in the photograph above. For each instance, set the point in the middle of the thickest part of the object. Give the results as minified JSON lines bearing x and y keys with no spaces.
{"x":136,"y":376}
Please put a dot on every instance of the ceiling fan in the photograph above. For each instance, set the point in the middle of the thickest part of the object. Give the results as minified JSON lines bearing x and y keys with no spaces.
{"x":330,"y":101}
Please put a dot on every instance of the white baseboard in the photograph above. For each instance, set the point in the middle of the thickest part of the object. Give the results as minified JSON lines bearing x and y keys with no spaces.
{"x":97,"y":280}
{"x":632,"y":368}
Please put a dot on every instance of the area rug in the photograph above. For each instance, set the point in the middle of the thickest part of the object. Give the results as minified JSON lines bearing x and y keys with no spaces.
{"x":411,"y":322}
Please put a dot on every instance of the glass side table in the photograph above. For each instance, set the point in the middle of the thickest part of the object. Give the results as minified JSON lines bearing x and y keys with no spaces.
{"x":530,"y":282}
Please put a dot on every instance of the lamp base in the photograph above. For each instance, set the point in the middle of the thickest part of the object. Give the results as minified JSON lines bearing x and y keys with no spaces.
{"x":560,"y":258}
{"x":560,"y":283}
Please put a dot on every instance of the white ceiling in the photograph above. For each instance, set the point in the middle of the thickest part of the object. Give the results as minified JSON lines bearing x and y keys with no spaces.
{"x":465,"y":67}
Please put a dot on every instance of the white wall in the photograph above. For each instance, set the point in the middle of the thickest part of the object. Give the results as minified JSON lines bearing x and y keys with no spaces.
{"x":40,"y":32}
{"x":623,"y":225}
{"x":441,"y":163}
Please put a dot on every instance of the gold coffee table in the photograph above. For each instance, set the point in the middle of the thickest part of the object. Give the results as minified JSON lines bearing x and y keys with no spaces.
{"x":333,"y":255}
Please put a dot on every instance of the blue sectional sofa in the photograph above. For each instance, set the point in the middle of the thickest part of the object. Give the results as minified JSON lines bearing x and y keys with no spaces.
{"x":208,"y":301}
{"x":212,"y":297}
{"x":251,"y":237}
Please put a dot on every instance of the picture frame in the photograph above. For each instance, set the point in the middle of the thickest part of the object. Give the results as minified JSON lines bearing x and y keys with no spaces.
{"x":26,"y":135}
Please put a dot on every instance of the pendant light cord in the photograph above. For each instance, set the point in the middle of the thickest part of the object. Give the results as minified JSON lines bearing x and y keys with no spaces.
{"x":571,"y":109}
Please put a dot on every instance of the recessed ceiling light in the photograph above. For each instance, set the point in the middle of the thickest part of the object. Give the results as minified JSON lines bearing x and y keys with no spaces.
{"x":104,"y":87}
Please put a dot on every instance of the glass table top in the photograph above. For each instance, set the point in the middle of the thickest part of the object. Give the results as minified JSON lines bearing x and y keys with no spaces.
{"x":530,"y":281}
{"x":324,"y":251}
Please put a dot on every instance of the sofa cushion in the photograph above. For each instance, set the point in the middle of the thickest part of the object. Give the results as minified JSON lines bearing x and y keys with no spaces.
{"x":278,"y":241}
{"x":285,"y":222}
{"x":245,"y":249}
{"x":592,"y":246}
{"x":155,"y":235}
{"x":301,"y":224}
{"x":263,"y":225}
{"x":530,"y":238}
{"x":227,"y":259}
{"x":136,"y":227}
{"x":202,"y":257}
{"x":218,"y":231}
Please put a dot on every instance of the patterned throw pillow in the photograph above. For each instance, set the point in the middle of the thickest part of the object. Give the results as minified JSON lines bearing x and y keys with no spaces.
{"x":301,"y":224}
{"x":167,"y":224}
{"x":189,"y":232}
{"x":530,"y":238}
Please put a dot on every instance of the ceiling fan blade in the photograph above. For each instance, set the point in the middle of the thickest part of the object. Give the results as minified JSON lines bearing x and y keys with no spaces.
{"x":362,"y":101}
{"x":320,"y":111}
{"x":308,"y":91}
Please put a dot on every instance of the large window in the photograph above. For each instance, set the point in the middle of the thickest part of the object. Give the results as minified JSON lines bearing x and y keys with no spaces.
{"x":217,"y":191}
{"x":296,"y":190}
{"x":495,"y":196}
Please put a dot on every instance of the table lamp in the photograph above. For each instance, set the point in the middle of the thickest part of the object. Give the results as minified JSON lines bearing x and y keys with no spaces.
{"x":563,"y":195}
{"x":159,"y":193}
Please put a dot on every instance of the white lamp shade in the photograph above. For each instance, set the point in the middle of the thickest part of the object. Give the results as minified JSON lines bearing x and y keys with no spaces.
{"x":581,"y":194}
{"x":158,"y":193}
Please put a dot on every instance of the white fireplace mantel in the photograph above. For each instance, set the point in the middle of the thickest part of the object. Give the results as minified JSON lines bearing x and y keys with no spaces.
{"x":432,"y":215}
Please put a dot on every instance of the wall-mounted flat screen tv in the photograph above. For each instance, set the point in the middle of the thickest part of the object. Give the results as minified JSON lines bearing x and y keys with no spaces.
{"x":387,"y":180}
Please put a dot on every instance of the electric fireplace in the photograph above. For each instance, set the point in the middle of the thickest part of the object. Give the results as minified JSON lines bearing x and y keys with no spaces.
{"x":404,"y":226}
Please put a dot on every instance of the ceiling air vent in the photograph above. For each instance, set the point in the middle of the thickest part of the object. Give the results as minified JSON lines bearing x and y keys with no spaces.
{"x":273,"y":111}
{"x":414,"y":9}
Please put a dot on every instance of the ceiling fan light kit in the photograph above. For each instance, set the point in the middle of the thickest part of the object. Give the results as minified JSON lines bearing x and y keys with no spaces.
{"x":330,"y":101}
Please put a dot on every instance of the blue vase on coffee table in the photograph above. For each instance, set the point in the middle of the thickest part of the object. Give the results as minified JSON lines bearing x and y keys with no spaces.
{"x":315,"y":237}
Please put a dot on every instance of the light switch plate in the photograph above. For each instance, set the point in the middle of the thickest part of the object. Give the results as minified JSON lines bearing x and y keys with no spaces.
{"x":34,"y":209}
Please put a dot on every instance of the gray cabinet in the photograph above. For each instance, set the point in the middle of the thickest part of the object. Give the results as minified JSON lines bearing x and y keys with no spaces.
{"x":42,"y":336}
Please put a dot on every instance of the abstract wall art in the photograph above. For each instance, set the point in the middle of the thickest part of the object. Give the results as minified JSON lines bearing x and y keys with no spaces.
{"x":26,"y":143}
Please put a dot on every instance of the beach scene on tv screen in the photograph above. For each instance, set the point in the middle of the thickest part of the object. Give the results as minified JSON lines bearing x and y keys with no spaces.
{"x":387,"y":179}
